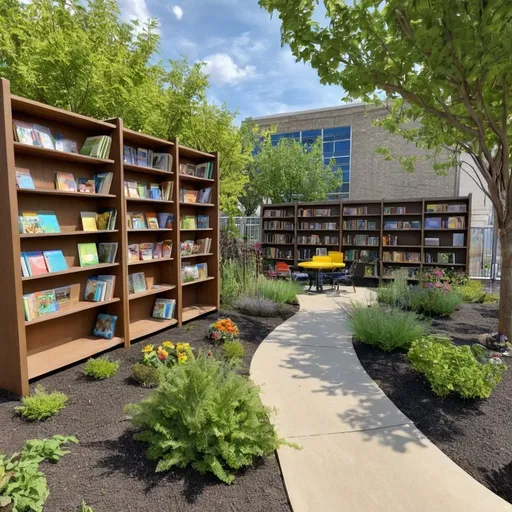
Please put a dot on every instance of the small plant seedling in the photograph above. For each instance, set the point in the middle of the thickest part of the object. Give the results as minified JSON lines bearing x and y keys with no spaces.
{"x":41,"y":405}
{"x":146,"y":376}
{"x":101,"y":368}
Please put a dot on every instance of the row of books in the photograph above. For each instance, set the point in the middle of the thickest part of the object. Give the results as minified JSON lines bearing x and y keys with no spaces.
{"x":199,"y":170}
{"x":363,"y":225}
{"x":196,"y":196}
{"x":159,"y":191}
{"x":318,"y":240}
{"x":360,"y":240}
{"x":445,"y":222}
{"x":150,"y":220}
{"x":440,"y":257}
{"x":195,"y":222}
{"x":332,"y":226}
{"x":149,"y":251}
{"x":388,"y":240}
{"x":193,"y":272}
{"x":398,"y":210}
{"x":138,"y":282}
{"x":458,"y":240}
{"x":100,"y":288}
{"x":354,"y":255}
{"x":277,"y":213}
{"x":102,"y":220}
{"x":164,"y":308}
{"x":352,"y":210}
{"x":201,"y":246}
{"x":314,"y":212}
{"x":35,"y":134}
{"x":399,"y":224}
{"x":276,"y":238}
{"x":400,"y":256}
{"x":147,"y":158}
{"x":278,"y":253}
{"x":441,"y":208}
{"x":277,"y":224}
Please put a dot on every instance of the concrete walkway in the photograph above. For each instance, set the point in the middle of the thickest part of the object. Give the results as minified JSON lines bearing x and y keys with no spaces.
{"x":360,"y":453}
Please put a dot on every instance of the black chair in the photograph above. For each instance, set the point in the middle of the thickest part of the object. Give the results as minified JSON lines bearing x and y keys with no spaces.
{"x":347,"y":277}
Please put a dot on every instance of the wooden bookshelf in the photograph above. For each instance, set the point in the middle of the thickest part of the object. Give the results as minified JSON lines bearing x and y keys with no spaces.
{"x":363,"y":225}
{"x":49,"y":342}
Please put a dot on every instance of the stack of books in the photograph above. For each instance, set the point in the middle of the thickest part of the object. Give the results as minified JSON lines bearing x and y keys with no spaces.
{"x":278,"y":224}
{"x":139,"y":220}
{"x":159,"y":191}
{"x":442,"y":208}
{"x":362,"y":225}
{"x":324,"y":226}
{"x":147,"y":251}
{"x":277,"y":213}
{"x":191,"y":222}
{"x":100,"y":288}
{"x":199,"y":171}
{"x":191,"y":273}
{"x":164,"y":308}
{"x":395,"y":210}
{"x":275,"y":238}
{"x":360,"y":210}
{"x":314,"y":212}
{"x":196,"y":196}
{"x":360,"y":240}
{"x":399,"y":256}
{"x":147,"y":158}
{"x":201,"y":246}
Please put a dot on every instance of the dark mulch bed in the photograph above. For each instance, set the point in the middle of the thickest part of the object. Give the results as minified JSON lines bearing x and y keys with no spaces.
{"x":109,"y":469}
{"x":476,"y":434}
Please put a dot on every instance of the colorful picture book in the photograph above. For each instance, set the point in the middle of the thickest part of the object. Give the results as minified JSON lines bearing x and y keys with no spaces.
{"x":88,"y":254}
{"x":164,"y":308}
{"x":136,"y":220}
{"x":33,"y":264}
{"x":65,"y":181}
{"x":97,"y":146}
{"x":89,"y":221}
{"x":55,"y":261}
{"x":137,"y":282}
{"x":165,"y":220}
{"x":86,"y":185}
{"x":152,"y":220}
{"x":107,"y":252}
{"x":191,"y":247}
{"x":24,"y":178}
{"x":458,"y":239}
{"x":189,"y":273}
{"x":188,"y":222}
{"x":106,"y":219}
{"x":105,"y":326}
{"x":29,"y":223}
{"x":99,"y":184}
{"x":147,"y":158}
{"x":199,"y":171}
{"x":202,"y":268}
{"x":100,"y":288}
{"x":39,"y":304}
{"x":196,"y":196}
{"x":158,"y":191}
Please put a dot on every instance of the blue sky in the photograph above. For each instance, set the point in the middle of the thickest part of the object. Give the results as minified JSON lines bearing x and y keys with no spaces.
{"x":249,"y":70}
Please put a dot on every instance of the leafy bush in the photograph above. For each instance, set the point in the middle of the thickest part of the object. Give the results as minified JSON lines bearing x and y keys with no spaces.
{"x":146,"y":376}
{"x":433,"y":301}
{"x":167,"y":354}
{"x":223,"y":330}
{"x":277,"y":290}
{"x":385,"y":328}
{"x":41,"y":405}
{"x":207,"y":416}
{"x":101,"y":368}
{"x":471,"y":291}
{"x":22,"y":485}
{"x":395,"y":293}
{"x":257,"y":306}
{"x":450,"y":368}
{"x":233,"y":350}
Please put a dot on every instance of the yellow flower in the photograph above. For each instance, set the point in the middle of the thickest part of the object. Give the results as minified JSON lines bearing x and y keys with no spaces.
{"x":182,"y":346}
{"x":168,"y":344}
{"x":148,"y":348}
{"x":182,"y":358}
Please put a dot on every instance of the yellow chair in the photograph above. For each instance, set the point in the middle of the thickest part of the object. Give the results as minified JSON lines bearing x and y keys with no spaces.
{"x":336,"y":256}
{"x":322,"y":259}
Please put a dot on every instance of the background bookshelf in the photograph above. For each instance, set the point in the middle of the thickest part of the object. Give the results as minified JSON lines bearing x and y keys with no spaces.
{"x":387,"y":234}
{"x":54,"y":340}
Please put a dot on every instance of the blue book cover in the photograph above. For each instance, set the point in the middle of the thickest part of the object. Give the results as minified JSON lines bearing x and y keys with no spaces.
{"x":94,"y":289}
{"x":55,"y":261}
{"x":48,"y":222}
{"x":24,"y":178}
{"x":105,"y":326}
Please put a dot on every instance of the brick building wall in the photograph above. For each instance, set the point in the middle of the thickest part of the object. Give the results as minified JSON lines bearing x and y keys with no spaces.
{"x":371,"y":176}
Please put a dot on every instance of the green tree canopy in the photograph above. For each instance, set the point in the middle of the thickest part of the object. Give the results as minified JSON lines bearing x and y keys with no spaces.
{"x":445,"y":64}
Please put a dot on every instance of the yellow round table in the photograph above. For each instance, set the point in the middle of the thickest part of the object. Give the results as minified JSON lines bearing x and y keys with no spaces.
{"x":320,"y":265}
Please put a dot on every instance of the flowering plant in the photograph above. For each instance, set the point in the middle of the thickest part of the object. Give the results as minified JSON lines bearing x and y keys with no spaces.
{"x":223,"y":330}
{"x":436,"y":278}
{"x":167,"y":354}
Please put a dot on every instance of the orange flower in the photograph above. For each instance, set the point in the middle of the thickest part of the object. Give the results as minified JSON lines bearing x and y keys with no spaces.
{"x":162,"y":355}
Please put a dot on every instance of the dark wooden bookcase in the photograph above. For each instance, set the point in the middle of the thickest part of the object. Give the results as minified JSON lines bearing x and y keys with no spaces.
{"x":33,"y":348}
{"x":369,"y":226}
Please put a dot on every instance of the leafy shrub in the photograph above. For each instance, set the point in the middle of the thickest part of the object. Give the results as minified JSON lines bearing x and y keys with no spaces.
{"x":41,"y":405}
{"x":471,"y":291}
{"x":22,"y":485}
{"x":101,"y":368}
{"x":167,"y":354}
{"x":433,"y":301}
{"x":385,"y":328}
{"x":277,"y":290}
{"x":146,"y":376}
{"x":395,"y":293}
{"x":223,"y":330}
{"x":233,"y":350}
{"x":450,"y":368}
{"x":491,"y":298}
{"x":207,"y":416}
{"x":257,"y":306}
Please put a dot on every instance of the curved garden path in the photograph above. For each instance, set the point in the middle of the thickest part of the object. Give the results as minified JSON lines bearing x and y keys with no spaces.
{"x":360,"y":453}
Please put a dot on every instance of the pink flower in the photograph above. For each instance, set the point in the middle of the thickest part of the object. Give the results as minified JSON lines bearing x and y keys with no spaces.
{"x":439,"y":285}
{"x":215,"y":335}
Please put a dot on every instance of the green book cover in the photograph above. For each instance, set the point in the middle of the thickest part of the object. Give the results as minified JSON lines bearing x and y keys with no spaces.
{"x":92,"y":146}
{"x":88,"y":255}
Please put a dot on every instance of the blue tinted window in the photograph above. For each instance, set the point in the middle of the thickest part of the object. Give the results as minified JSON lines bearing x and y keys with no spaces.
{"x":345,"y":187}
{"x":342,"y":159}
{"x":312,"y":133}
{"x":342,"y":146}
{"x":340,"y":133}
{"x":328,"y":147}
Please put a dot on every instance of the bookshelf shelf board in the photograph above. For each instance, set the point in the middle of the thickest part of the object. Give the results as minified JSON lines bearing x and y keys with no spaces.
{"x":141,"y":139}
{"x":52,"y":192}
{"x":402,"y":214}
{"x":71,"y":309}
{"x":279,"y":259}
{"x":291,"y":230}
{"x":417,"y":263}
{"x":300,"y":217}
{"x":148,"y":229}
{"x":198,"y":281}
{"x":317,"y":245}
{"x":56,"y":357}
{"x":428,"y":247}
{"x":285,"y":217}
{"x":194,"y":153}
{"x":334,"y":230}
{"x":149,"y":326}
{"x":191,"y":312}
{"x":68,"y":233}
{"x":147,"y":200}
{"x":205,"y":205}
{"x":451,"y":214}
{"x":152,"y":291}
{"x":25,"y":149}
{"x":363,"y":230}
{"x":71,"y":270}
{"x":436,"y":264}
{"x":275,"y":243}
{"x":145,"y":262}
{"x":446,"y":229}
{"x":363,"y":215}
{"x":198,"y":229}
{"x":186,"y":177}
{"x":402,"y":230}
{"x":403,"y":246}
{"x":146,"y":170}
{"x":196,"y":255}
{"x":355,"y":245}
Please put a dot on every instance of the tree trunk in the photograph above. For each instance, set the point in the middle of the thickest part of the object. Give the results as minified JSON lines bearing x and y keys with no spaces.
{"x":505,"y":321}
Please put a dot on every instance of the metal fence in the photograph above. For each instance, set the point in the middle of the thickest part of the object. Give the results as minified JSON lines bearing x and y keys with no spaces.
{"x":247,"y":227}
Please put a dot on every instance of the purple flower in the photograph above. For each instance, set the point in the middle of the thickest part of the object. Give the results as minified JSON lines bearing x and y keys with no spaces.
{"x":503,"y":339}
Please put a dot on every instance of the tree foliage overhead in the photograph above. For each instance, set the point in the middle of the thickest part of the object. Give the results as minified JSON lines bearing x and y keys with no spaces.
{"x":79,"y":56}
{"x":291,"y":171}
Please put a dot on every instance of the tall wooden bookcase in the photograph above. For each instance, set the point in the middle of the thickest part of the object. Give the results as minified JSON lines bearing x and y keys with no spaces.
{"x":292,"y":232}
{"x":33,"y":348}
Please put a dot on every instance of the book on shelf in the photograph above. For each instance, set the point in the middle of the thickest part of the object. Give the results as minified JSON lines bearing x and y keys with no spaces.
{"x":190,"y":247}
{"x":316,"y":240}
{"x":196,"y":196}
{"x":395,"y":210}
{"x":164,"y":308}
{"x":388,"y":240}
{"x":205,"y":245}
{"x":106,"y":219}
{"x":202,"y":269}
{"x":359,"y":210}
{"x":314,"y":212}
{"x":165,"y":220}
{"x":137,"y":283}
{"x":444,"y":207}
{"x":431,"y":241}
{"x":35,"y":263}
{"x":199,"y":171}
{"x":103,"y":182}
{"x":189,"y":273}
{"x":107,"y":252}
{"x":167,"y":188}
{"x":366,"y":256}
{"x":402,"y":224}
{"x":39,"y":304}
{"x":89,"y":221}
{"x":278,"y":253}
{"x":65,"y":181}
{"x":188,"y":222}
{"x":86,"y":185}
{"x":162,"y":161}
{"x":203,"y":221}
{"x":29,"y":223}
{"x":146,"y":251}
{"x":433,"y":223}
{"x":105,"y":326}
{"x":361,"y":240}
{"x":401,"y":256}
{"x":321,"y":251}
{"x":277,"y":213}
{"x":155,"y":192}
{"x":166,"y":248}
{"x":133,"y":253}
{"x":48,"y":222}
{"x":458,"y":239}
{"x":25,"y":134}
{"x":55,"y":261}
{"x":277,"y":238}
{"x":88,"y":254}
{"x":360,"y":224}
{"x":65,"y":145}
{"x":286,"y":225}
{"x":98,"y":290}
{"x":97,"y":146}
{"x":24,"y":178}
{"x":63,"y":295}
{"x":152,"y":220}
{"x":445,"y":257}
{"x":136,"y":220}
{"x":455,"y":223}
{"x":142,"y":157}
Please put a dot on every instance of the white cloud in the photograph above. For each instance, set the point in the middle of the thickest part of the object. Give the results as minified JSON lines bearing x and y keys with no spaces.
{"x":223,"y":70}
{"x":177,"y":11}
{"x":134,"y":10}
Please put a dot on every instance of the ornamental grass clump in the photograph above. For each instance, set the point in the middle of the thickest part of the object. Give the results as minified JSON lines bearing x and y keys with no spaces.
{"x":206,"y":416}
{"x":257,"y":306}
{"x":385,"y":328}
{"x":41,"y":405}
{"x":101,"y":368}
{"x":434,"y":301}
{"x":454,"y":369}
{"x":223,"y":330}
{"x":277,"y":290}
